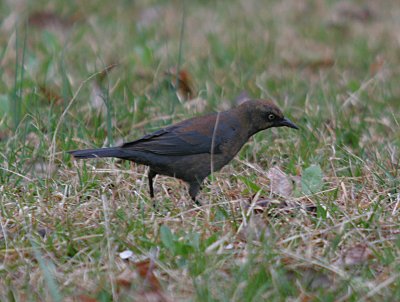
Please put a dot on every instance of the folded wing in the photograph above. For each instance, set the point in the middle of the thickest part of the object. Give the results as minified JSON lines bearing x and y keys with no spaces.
{"x":194,"y":136}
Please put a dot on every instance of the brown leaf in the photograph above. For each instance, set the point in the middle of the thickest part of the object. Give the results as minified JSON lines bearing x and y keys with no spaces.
{"x":84,"y":298}
{"x":307,"y":297}
{"x":3,"y":135}
{"x":313,"y":64}
{"x":358,"y":254}
{"x":182,"y":81}
{"x":352,"y":11}
{"x":320,"y":63}
{"x":144,"y":270}
{"x":377,"y":65}
{"x":51,"y":94}
{"x":281,"y":183}
{"x":46,"y":19}
{"x":124,"y":280}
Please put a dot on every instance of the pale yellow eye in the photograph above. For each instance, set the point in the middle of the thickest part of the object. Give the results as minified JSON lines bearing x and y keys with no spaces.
{"x":271,"y":116}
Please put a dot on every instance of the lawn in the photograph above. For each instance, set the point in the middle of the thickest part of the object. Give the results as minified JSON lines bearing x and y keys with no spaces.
{"x":307,"y":215}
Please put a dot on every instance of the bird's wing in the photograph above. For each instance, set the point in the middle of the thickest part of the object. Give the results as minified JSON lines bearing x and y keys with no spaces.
{"x":189,"y":137}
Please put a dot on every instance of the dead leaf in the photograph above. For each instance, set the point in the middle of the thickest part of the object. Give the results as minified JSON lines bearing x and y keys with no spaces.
{"x":352,"y":11}
{"x":50,"y":94}
{"x":49,"y":19}
{"x":377,"y":65}
{"x":150,"y":288}
{"x":3,"y":135}
{"x":313,"y":64}
{"x":320,"y":63}
{"x":182,"y":81}
{"x":307,"y":297}
{"x":125,"y":279}
{"x":84,"y":298}
{"x":281,"y":183}
{"x":358,"y":254}
{"x":146,"y":271}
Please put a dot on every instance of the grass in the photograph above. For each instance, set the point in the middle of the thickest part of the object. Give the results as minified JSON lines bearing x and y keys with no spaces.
{"x":332,"y":67}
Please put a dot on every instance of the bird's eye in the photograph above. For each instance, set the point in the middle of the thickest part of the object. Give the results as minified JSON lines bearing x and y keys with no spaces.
{"x":271,"y":116}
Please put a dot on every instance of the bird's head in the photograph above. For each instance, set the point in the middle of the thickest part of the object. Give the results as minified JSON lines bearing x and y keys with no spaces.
{"x":263,"y":114}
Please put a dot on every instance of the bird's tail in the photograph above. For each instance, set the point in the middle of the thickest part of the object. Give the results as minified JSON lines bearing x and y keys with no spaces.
{"x":93,"y":153}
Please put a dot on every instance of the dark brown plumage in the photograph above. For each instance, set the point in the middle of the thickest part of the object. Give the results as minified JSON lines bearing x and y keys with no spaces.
{"x":193,"y":149}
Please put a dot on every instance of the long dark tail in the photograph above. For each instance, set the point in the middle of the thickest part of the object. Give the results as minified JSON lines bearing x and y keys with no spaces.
{"x":103,"y":152}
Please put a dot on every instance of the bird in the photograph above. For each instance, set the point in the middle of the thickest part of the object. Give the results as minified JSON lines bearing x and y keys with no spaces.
{"x":194,"y":148}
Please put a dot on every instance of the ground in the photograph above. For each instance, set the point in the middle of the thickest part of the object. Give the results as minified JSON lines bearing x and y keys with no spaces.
{"x":308,"y":215}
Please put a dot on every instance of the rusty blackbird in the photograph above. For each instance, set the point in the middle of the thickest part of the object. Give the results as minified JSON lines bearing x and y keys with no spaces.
{"x":194,"y":148}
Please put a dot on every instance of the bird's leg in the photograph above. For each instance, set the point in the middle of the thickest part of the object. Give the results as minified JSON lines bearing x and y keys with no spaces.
{"x":194,"y":188}
{"x":151,"y":176}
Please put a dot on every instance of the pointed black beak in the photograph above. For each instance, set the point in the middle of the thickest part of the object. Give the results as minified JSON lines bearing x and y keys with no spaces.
{"x":288,"y":123}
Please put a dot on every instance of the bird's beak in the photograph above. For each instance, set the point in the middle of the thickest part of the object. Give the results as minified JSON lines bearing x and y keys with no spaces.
{"x":288,"y":123}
